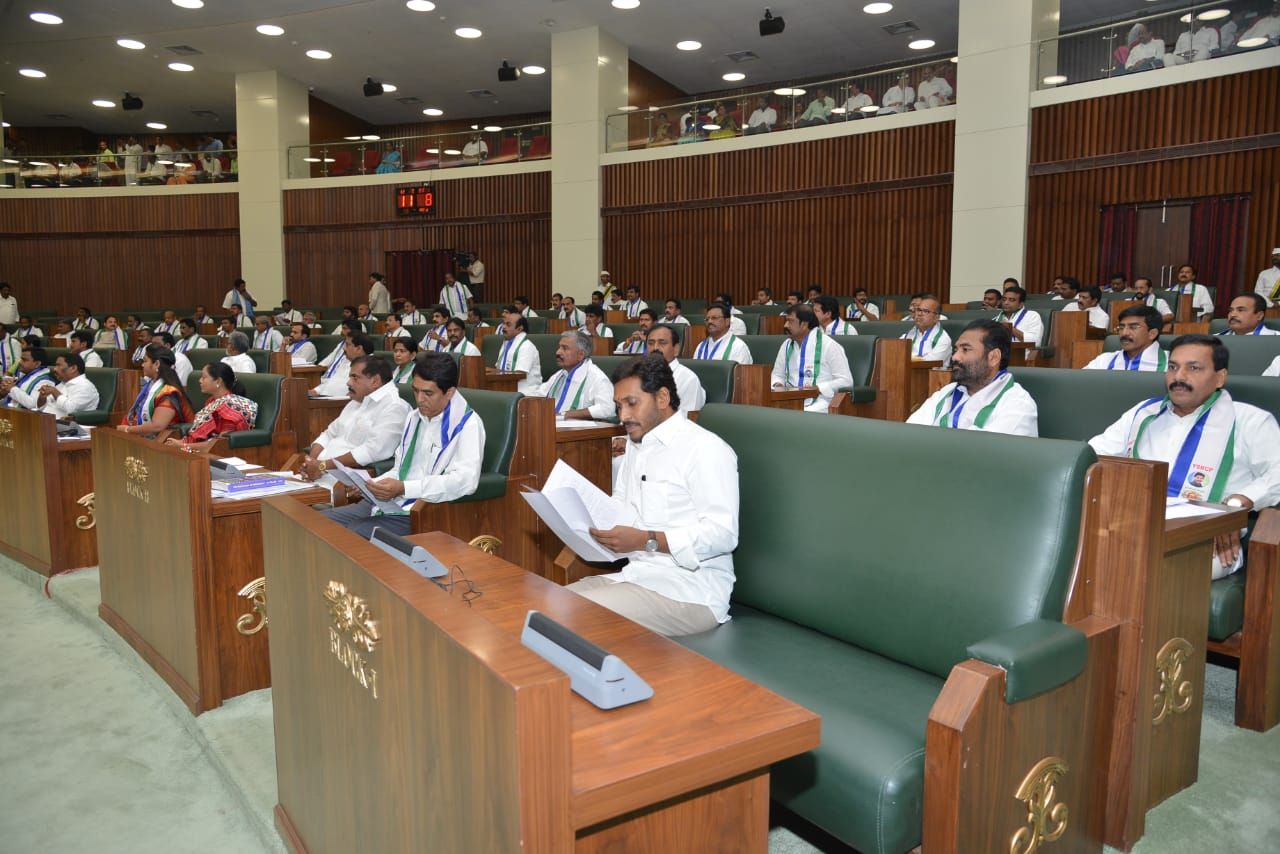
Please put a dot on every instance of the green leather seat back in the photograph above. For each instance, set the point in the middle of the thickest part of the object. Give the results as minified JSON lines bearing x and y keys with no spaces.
{"x":1251,"y":355}
{"x":546,"y":344}
{"x":106,"y":381}
{"x":194,"y":394}
{"x":884,"y":328}
{"x":690,"y":308}
{"x":716,"y":378}
{"x":860,"y":349}
{"x":969,"y":315}
{"x":1262,"y":392}
{"x":751,"y":322}
{"x":204,"y":356}
{"x":324,"y":344}
{"x":1079,"y":405}
{"x":1226,"y":606}
{"x":609,"y":364}
{"x":418,"y":331}
{"x":212,"y":340}
{"x":108,"y":355}
{"x":901,"y":301}
{"x":53,"y":353}
{"x":261,"y":360}
{"x":764,"y":348}
{"x":917,"y":587}
{"x":264,"y":390}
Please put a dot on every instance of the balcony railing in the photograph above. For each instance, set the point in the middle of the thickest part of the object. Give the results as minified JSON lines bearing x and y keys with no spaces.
{"x":373,"y":155}
{"x":114,"y":169}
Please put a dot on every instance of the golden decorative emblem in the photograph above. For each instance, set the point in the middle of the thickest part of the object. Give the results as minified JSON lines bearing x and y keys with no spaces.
{"x":1174,"y":692}
{"x":135,"y":484}
{"x":1046,"y":818}
{"x":486,"y":543}
{"x":255,"y":620}
{"x":351,"y":616}
{"x":6,"y":433}
{"x":87,"y":521}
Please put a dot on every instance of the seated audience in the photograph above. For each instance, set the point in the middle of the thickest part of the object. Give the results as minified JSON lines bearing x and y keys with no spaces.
{"x":764,"y":296}
{"x":74,"y":391}
{"x":84,"y":320}
{"x":333,"y":384}
{"x":21,"y":391}
{"x":226,"y":410}
{"x":664,"y":339}
{"x":181,"y":364}
{"x":809,"y":360}
{"x":637,"y":343}
{"x":1139,"y":332}
{"x":857,"y":100}
{"x":367,"y":429}
{"x":27,"y":328}
{"x":1144,"y":292}
{"x":1201,"y":301}
{"x":1145,"y":51}
{"x":188,"y":337}
{"x":238,"y":354}
{"x":819,"y":110}
{"x":395,"y":328}
{"x":1267,"y":286}
{"x":1088,"y":300}
{"x":827,"y":310}
{"x":404,"y":352}
{"x":1246,"y":316}
{"x":287,"y":314}
{"x":762,"y":118}
{"x":518,"y":353}
{"x":437,"y":337}
{"x":570,"y":313}
{"x":673,"y":313}
{"x":983,"y":394}
{"x":862,"y":308}
{"x":934,"y":90}
{"x":992,"y":298}
{"x":239,"y":319}
{"x":1264,"y":27}
{"x":170,"y":324}
{"x":81,"y":344}
{"x":10,"y":352}
{"x":579,"y":388}
{"x":633,"y":304}
{"x":456,"y":334}
{"x":1192,"y":46}
{"x":594,"y":325}
{"x":721,"y":343}
{"x":1024,"y":324}
{"x":899,"y":97}
{"x":265,"y":337}
{"x":162,"y":403}
{"x":111,"y":335}
{"x":929,"y":341}
{"x":298,"y":345}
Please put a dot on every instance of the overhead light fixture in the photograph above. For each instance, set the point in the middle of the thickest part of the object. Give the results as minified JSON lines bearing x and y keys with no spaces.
{"x":433,"y":151}
{"x":371,"y":137}
{"x":165,"y":162}
{"x":270,"y":30}
{"x":131,"y":102}
{"x":104,"y":103}
{"x":7,"y":125}
{"x":475,"y":127}
{"x":1256,"y":41}
{"x":372,"y":88}
{"x":181,"y":66}
{"x":838,"y":111}
{"x":624,"y":4}
{"x":921,"y":44}
{"x":32,"y":72}
{"x":771,"y":26}
{"x":877,"y":8}
{"x":317,"y":53}
{"x":492,"y":128}
{"x":189,"y":4}
{"x":421,"y":5}
{"x":453,"y":152}
{"x":508,"y":73}
{"x":710,"y":127}
{"x":131,"y":44}
{"x":688,"y":44}
{"x":10,"y":159}
{"x":1213,"y":14}
{"x":1186,"y":19}
{"x":786,"y":92}
{"x":311,"y":160}
{"x":355,"y":138}
{"x":45,"y":18}
{"x":733,"y":76}
{"x":533,"y":69}
{"x":869,"y":108}
{"x":1054,"y":79}
{"x":433,"y":111}
{"x":955,"y":59}
{"x":388,"y":87}
{"x":467,"y":33}
{"x":157,"y":125}
{"x":627,"y":108}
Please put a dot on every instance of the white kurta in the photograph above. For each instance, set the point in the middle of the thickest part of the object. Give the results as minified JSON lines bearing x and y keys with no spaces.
{"x":1098,"y":318}
{"x":726,"y":347}
{"x":1158,"y":303}
{"x":897,"y":99}
{"x":379,"y":298}
{"x":186,"y":345}
{"x":77,"y":395}
{"x":435,"y":474}
{"x":241,"y":363}
{"x":368,"y":430}
{"x":853,"y":312}
{"x":832,"y":373}
{"x":840,"y":327}
{"x":1015,"y":414}
{"x":692,"y":395}
{"x":1138,"y":51}
{"x":463,"y":348}
{"x":333,"y":383}
{"x":519,"y":354}
{"x":634,"y":307}
{"x":269,"y":340}
{"x":182,"y":367}
{"x":936,"y":344}
{"x":587,"y":388}
{"x":1257,"y":330}
{"x":1028,"y":322}
{"x":23,"y":395}
{"x":9,"y":310}
{"x":1201,"y":302}
{"x":91,"y":359}
{"x":935,"y":92}
{"x":1268,"y":284}
{"x":1193,"y":48}
{"x":454,"y":297}
{"x":1150,"y":359}
{"x":302,"y":352}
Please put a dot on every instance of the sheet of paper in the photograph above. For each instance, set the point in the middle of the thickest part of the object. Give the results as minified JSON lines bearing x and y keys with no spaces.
{"x":280,"y":489}
{"x":604,"y":510}
{"x":1178,"y":508}
{"x":581,"y":544}
{"x":359,"y":478}
{"x":577,"y":424}
{"x":238,"y":463}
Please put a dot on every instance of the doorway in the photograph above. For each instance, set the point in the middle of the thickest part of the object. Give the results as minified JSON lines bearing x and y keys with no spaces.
{"x":1161,"y":241}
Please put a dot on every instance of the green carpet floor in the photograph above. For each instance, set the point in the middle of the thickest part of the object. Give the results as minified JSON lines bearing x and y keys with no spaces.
{"x":97,"y":753}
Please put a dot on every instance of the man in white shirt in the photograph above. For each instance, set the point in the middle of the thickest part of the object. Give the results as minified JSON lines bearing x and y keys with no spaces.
{"x":1218,"y":450}
{"x":518,"y":353}
{"x":1139,"y":332}
{"x":238,"y":357}
{"x":1192,"y":47}
{"x":81,"y":343}
{"x":239,"y":296}
{"x":862,"y":308}
{"x":8,"y":305}
{"x":633,"y":304}
{"x":333,"y":383}
{"x":181,"y":364}
{"x":857,"y":100}
{"x":929,"y":341}
{"x":607,"y":287}
{"x":720,"y":343}
{"x":238,"y":319}
{"x":437,"y":458}
{"x":762,"y":118}
{"x":1265,"y":27}
{"x":1024,"y":324}
{"x":200,"y":318}
{"x":264,"y":336}
{"x":1088,"y":300}
{"x":1227,"y":32}
{"x":673,"y":313}
{"x":665,"y":339}
{"x":570,"y":312}
{"x":1144,"y":292}
{"x":1273,"y":369}
{"x":1064,"y":288}
{"x":379,"y":295}
{"x":899,"y":97}
{"x":395,"y":328}
{"x":22,"y":391}
{"x":983,"y":395}
{"x":736,"y":324}
{"x":455,"y":296}
{"x":523,"y":306}
{"x":368,"y":427}
{"x":827,"y":310}
{"x":476,"y":150}
{"x":764,"y":296}
{"x":74,"y":392}
{"x":475,"y":321}
{"x":580,"y":389}
{"x":348,"y":315}
{"x":287,"y":313}
{"x":188,"y":338}
{"x":27,"y":328}
{"x":1248,"y":311}
{"x":594,"y":325}
{"x":456,"y":332}
{"x":934,"y":90}
{"x":475,"y":272}
{"x":410,"y":316}
{"x":1145,"y":51}
{"x":810,"y":359}
{"x":681,"y":482}
{"x":1201,"y":301}
{"x":10,"y":352}
{"x":637,"y":343}
{"x":84,"y":320}
{"x":298,"y":345}
{"x":437,"y":337}
{"x":111,"y":335}
{"x":1268,"y":284}
{"x":819,"y":110}
{"x":169,"y":324}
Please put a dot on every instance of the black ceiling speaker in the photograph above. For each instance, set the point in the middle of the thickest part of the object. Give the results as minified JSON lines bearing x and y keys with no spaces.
{"x":130,"y":102}
{"x":508,"y":73}
{"x":771,"y":26}
{"x":372,"y":88}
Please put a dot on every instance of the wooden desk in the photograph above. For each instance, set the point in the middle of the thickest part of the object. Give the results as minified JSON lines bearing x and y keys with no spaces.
{"x":173,"y":561}
{"x":47,"y":502}
{"x":938,"y":379}
{"x":1067,"y":330}
{"x":1023,"y":354}
{"x":589,"y":450}
{"x":790,"y":398}
{"x":772,"y":324}
{"x":496,"y":380}
{"x":918,"y":382}
{"x":282,"y":363}
{"x":320,"y":413}
{"x":473,"y":742}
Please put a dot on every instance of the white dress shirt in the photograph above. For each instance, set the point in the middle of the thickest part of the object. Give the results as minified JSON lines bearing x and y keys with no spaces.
{"x":727,"y":347}
{"x":633,"y":309}
{"x":588,"y":389}
{"x":302,"y":352}
{"x":855,"y":104}
{"x":1273,"y":369}
{"x":833,"y":372}
{"x":368,"y":430}
{"x":1260,"y":330}
{"x":91,"y":359}
{"x":1097,"y":316}
{"x":737,"y":326}
{"x":9,"y":310}
{"x":454,"y":297}
{"x":605,"y":332}
{"x":182,"y":367}
{"x":413,"y":318}
{"x":1201,"y":302}
{"x":76,"y":395}
{"x":379,"y":298}
{"x":840,"y":327}
{"x":1151,"y":359}
{"x":29,"y":330}
{"x":519,"y":354}
{"x":87,"y":323}
{"x":1268,"y":281}
{"x":1138,"y":51}
{"x":692,"y":395}
{"x":171,"y":328}
{"x":463,"y":348}
{"x":937,"y":344}
{"x":1027,"y":321}
{"x":853,"y":312}
{"x":897,"y":99}
{"x":185,"y":345}
{"x":766,"y":117}
{"x":1155,"y":302}
{"x":577,"y":319}
{"x":23,"y":395}
{"x":290,"y":316}
{"x":338,"y":352}
{"x":245,"y":301}
{"x":1193,"y":48}
{"x":682,"y":480}
{"x":244,"y":321}
{"x":399,"y":332}
{"x":269,"y":340}
{"x":241,"y":363}
{"x":935,"y":92}
{"x":1015,"y":413}
{"x":334,"y":381}
{"x":1263,"y":28}
{"x":439,"y":473}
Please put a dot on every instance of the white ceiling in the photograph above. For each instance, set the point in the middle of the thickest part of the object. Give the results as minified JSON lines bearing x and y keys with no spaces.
{"x":416,"y":51}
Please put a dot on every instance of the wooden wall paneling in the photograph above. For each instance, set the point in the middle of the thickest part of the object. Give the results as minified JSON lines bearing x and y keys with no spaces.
{"x":52,"y":214}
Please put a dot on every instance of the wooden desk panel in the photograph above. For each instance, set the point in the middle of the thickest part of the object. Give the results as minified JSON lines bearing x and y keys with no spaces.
{"x":496,"y":380}
{"x":590,"y":451}
{"x":321,"y":412}
{"x":918,"y":382}
{"x":791,"y":398}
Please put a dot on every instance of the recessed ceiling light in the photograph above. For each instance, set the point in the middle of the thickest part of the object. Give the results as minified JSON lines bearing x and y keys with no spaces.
{"x":877,"y":8}
{"x":157,"y":125}
{"x":421,"y":5}
{"x":5,"y":124}
{"x":317,"y":53}
{"x":467,"y":33}
{"x":1054,"y":79}
{"x":45,"y":18}
{"x":433,"y":151}
{"x":189,"y":4}
{"x":733,"y":76}
{"x":711,"y":127}
{"x":475,"y":127}
{"x":371,"y":137}
{"x":688,"y":44}
{"x":869,"y":108}
{"x":32,"y":72}
{"x":311,"y":160}
{"x":388,"y":87}
{"x":1213,"y":14}
{"x":9,"y":159}
{"x":452,"y":151}
{"x":433,"y":111}
{"x":355,"y":138}
{"x":922,"y":44}
{"x":181,"y":66}
{"x":270,"y":30}
{"x":103,"y":102}
{"x":624,"y":4}
{"x":131,"y":44}
{"x":1256,"y":41}
{"x":492,"y":128}
{"x":628,"y":108}
{"x":533,"y":69}
{"x":839,"y":111}
{"x":787,"y":91}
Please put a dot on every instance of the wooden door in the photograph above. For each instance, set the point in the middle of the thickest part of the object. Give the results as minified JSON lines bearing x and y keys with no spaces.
{"x":1162,"y":241}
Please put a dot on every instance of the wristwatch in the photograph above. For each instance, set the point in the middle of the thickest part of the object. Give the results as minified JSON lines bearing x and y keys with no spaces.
{"x":651,"y":544}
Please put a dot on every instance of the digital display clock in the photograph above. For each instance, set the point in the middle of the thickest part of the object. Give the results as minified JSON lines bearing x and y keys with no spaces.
{"x":416,"y":201}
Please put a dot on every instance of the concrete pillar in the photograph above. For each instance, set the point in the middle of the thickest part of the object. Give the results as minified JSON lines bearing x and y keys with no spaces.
{"x":271,"y":115}
{"x":998,"y":68}
{"x":588,"y":81}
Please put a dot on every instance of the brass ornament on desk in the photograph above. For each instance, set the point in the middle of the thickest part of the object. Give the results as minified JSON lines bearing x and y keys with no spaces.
{"x":136,"y":474}
{"x":6,"y":433}
{"x":1174,"y":692}
{"x":487,"y":543}
{"x":354,"y":629}
{"x":87,"y":521}
{"x":256,"y":620}
{"x":1046,"y":817}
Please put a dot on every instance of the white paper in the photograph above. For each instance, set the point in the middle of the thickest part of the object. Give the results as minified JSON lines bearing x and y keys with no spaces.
{"x":239,"y":463}
{"x":581,"y":543}
{"x":604,"y":510}
{"x":359,"y":478}
{"x":1178,"y":508}
{"x":288,"y":486}
{"x":578,"y":424}
{"x":571,"y":505}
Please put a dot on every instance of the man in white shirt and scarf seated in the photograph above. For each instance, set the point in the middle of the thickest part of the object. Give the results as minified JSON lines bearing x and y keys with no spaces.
{"x":983,"y":395}
{"x":1218,"y":450}
{"x":681,"y":481}
{"x":438,"y":456}
{"x":21,"y":391}
{"x":75,"y":393}
{"x":1024,"y":324}
{"x":580,"y":389}
{"x":1246,"y":316}
{"x":1140,"y":350}
{"x":1088,"y":301}
{"x":810,"y":359}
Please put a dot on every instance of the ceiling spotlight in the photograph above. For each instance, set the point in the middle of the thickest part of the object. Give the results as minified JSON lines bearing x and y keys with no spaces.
{"x":388,"y":87}
{"x":869,"y":108}
{"x":433,"y":111}
{"x":157,"y":125}
{"x":45,"y":18}
{"x":688,"y":44}
{"x":711,"y":127}
{"x":785,"y":92}
{"x":433,"y":151}
{"x":624,"y":4}
{"x":181,"y":66}
{"x":270,"y":30}
{"x":877,"y":8}
{"x":508,"y":73}
{"x":453,"y":152}
{"x":372,"y":88}
{"x":467,"y":33}
{"x":130,"y":102}
{"x":371,"y":137}
{"x":1054,"y":79}
{"x":6,"y":125}
{"x":421,"y":5}
{"x":317,"y":53}
{"x":1256,"y":41}
{"x":1213,"y":15}
{"x":921,"y":44}
{"x":32,"y":72}
{"x":189,"y":4}
{"x":131,"y":44}
{"x":771,"y":26}
{"x":733,"y":76}
{"x":103,"y":102}
{"x":533,"y":69}
{"x":352,"y":138}
{"x":839,"y":111}
{"x":492,"y":128}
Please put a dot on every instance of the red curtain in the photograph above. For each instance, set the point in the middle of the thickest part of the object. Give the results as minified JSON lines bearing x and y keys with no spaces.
{"x":1115,"y":253}
{"x":1217,"y":239}
{"x":418,"y":274}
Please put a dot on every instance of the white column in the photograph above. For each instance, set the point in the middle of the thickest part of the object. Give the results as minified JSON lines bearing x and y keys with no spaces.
{"x":588,"y":81}
{"x":998,"y":65}
{"x":271,"y":115}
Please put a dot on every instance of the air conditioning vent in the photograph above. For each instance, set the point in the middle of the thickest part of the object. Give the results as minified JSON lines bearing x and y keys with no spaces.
{"x":205,"y":114}
{"x":183,"y":50}
{"x":409,"y":101}
{"x":480,"y":93}
{"x":900,"y":29}
{"x":742,"y":56}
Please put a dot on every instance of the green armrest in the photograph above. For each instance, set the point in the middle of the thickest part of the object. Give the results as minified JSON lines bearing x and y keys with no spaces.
{"x":381,"y":467}
{"x":862,"y":394}
{"x":492,"y":485}
{"x":249,"y":438}
{"x":91,"y":417}
{"x":1037,"y":656}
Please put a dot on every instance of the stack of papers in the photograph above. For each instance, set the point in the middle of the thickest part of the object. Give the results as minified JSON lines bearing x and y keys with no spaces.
{"x":219,"y":490}
{"x":1180,"y":508}
{"x":571,"y":505}
{"x":575,"y":424}
{"x":359,"y":479}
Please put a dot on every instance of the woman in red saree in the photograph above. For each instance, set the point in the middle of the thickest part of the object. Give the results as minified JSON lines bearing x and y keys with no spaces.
{"x":226,"y":411}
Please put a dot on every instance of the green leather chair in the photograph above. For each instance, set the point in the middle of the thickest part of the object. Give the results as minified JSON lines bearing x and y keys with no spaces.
{"x":106,"y":354}
{"x":261,"y":360}
{"x":860,"y":350}
{"x":265,"y":390}
{"x":716,"y":378}
{"x":106,"y":381}
{"x":764,"y":348}
{"x":1250,"y":355}
{"x":867,"y":637}
{"x":324,"y":344}
{"x":884,"y":328}
{"x":204,"y":356}
{"x":1078,"y":405}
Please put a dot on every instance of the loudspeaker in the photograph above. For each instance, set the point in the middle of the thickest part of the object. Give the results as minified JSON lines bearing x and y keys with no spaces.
{"x":771,"y":26}
{"x":372,"y":88}
{"x":130,"y":102}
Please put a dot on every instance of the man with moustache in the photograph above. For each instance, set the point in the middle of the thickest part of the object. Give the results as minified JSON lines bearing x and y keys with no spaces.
{"x":1246,"y":316}
{"x":1140,"y":350}
{"x":983,"y":395}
